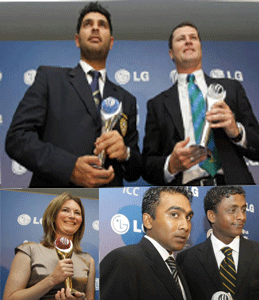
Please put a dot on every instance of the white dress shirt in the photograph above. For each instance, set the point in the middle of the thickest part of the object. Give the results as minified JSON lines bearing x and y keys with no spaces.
{"x":194,"y":172}
{"x":217,"y":245}
{"x":164,"y":253}
{"x":86,"y":68}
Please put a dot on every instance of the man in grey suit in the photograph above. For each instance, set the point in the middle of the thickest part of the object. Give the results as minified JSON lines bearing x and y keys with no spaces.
{"x":203,"y":265}
{"x":147,"y":270}
{"x":56,"y":129}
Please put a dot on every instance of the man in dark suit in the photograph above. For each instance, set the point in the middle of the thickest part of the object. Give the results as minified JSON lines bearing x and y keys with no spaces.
{"x":147,"y":270}
{"x":171,"y":124}
{"x":202,"y":265}
{"x":56,"y":129}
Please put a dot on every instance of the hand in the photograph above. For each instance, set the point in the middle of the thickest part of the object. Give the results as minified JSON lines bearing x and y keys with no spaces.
{"x":63,"y":270}
{"x":221,"y":116}
{"x":66,"y":294}
{"x":113,"y":144}
{"x":183,"y":158}
{"x":87,"y":175}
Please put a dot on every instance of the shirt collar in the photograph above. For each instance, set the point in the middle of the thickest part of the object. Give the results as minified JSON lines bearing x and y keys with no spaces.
{"x":182,"y":77}
{"x":218,"y":245}
{"x":162,"y":251}
{"x":86,"y":68}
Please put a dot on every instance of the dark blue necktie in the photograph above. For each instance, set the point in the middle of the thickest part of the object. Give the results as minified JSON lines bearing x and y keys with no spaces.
{"x":95,"y":88}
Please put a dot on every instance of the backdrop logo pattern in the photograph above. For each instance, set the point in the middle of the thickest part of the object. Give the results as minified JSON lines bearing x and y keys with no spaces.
{"x":122,"y":76}
{"x":29,"y":77}
{"x":1,"y":76}
{"x":96,"y":225}
{"x":17,"y":168}
{"x":120,"y":224}
{"x":217,"y":73}
{"x":24,"y":219}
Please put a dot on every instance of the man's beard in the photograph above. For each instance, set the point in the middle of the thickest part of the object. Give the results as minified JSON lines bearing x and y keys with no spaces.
{"x":95,"y":54}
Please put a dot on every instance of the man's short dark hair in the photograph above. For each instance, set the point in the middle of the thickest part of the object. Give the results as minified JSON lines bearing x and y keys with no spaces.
{"x":183,"y":24}
{"x":93,"y":7}
{"x":215,"y":195}
{"x":151,"y":197}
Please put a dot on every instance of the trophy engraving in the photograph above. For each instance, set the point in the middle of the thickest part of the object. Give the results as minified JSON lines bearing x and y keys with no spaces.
{"x":215,"y":93}
{"x":64,"y":249}
{"x":111,"y":110}
{"x":221,"y":296}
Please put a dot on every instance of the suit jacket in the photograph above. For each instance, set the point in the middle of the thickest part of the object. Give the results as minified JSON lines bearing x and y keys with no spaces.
{"x":138,"y":272}
{"x":201,"y":271}
{"x":164,"y":128}
{"x":57,"y":121}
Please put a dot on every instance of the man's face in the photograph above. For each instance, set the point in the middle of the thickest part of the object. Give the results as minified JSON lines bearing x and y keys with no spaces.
{"x":186,"y":49}
{"x":172,"y":224}
{"x":94,"y":38}
{"x":229,"y":218}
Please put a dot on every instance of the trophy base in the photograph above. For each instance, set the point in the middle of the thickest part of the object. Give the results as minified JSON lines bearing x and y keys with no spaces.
{"x":201,"y":150}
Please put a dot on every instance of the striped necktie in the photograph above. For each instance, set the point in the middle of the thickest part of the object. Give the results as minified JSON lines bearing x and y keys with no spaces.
{"x":174,"y":270}
{"x":228,"y":272}
{"x":198,"y":106}
{"x":95,"y":88}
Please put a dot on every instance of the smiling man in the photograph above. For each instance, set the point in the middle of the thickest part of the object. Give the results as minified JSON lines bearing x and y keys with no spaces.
{"x":147,"y":270}
{"x":225,"y":261}
{"x":175,"y":119}
{"x":56,"y":129}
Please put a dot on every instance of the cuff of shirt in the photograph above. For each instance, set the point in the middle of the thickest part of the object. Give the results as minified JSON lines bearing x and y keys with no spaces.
{"x":243,"y":142}
{"x":167,"y":175}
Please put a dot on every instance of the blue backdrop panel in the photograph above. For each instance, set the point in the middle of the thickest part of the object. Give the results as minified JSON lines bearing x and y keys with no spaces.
{"x":21,"y":217}
{"x":121,"y":220}
{"x":144,"y":68}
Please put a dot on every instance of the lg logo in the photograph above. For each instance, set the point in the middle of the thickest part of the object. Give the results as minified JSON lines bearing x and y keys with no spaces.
{"x":217,"y":73}
{"x":25,"y":219}
{"x":120,"y":224}
{"x":123,"y":76}
{"x":29,"y":77}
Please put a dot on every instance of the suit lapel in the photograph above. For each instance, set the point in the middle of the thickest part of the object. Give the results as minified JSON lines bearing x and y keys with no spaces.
{"x":206,"y":256}
{"x":159,"y":267}
{"x":78,"y":80}
{"x":171,"y":102}
{"x":246,"y":258}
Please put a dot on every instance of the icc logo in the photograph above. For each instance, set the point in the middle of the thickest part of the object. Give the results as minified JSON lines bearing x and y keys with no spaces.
{"x":17,"y":168}
{"x":120,"y":224}
{"x":24,"y":219}
{"x":96,"y":225}
{"x":29,"y":77}
{"x":122,"y":76}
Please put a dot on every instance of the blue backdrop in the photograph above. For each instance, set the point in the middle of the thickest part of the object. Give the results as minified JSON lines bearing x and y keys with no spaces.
{"x":20,"y":220}
{"x":142,"y":67}
{"x":121,"y":219}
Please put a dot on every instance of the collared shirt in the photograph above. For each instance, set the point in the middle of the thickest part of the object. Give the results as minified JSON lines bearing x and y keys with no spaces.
{"x":86,"y":68}
{"x":194,"y":172}
{"x":164,"y":254}
{"x":217,"y":245}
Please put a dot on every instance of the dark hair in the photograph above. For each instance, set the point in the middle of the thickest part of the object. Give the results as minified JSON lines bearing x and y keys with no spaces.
{"x":151,"y":197}
{"x":215,"y":195}
{"x":93,"y":7}
{"x":183,"y":24}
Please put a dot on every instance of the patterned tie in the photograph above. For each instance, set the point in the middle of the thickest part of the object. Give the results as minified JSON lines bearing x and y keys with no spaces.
{"x":174,"y":270}
{"x":211,"y":165}
{"x":228,"y":271}
{"x":95,"y":89}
